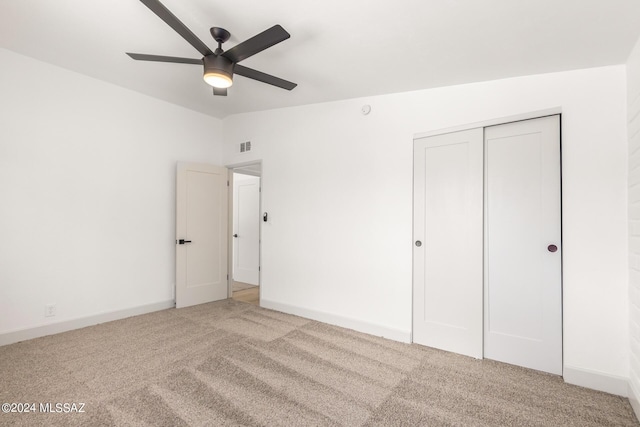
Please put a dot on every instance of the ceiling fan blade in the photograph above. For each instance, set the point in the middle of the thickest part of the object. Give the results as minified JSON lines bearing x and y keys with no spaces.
{"x":220,"y":91}
{"x":171,"y":20}
{"x":263,"y":77}
{"x":258,"y":43}
{"x":159,"y":58}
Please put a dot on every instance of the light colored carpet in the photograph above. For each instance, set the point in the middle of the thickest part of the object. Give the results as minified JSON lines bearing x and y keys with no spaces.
{"x":229,"y":363}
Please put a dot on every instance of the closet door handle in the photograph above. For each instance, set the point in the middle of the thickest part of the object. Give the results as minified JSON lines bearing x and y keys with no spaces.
{"x":418,"y":243}
{"x":552,"y":248}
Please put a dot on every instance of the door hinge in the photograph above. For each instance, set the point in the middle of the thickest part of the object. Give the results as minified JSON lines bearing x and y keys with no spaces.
{"x":258,"y":268}
{"x":227,"y":183}
{"x":227,"y":277}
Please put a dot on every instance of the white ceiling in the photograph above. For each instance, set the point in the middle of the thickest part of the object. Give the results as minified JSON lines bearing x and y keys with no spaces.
{"x":338,"y":49}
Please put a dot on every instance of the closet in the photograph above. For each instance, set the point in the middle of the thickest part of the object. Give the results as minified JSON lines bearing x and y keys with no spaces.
{"x":487,"y":250}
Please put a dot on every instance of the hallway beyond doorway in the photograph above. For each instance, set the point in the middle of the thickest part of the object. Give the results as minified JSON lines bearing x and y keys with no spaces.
{"x":244,"y":292}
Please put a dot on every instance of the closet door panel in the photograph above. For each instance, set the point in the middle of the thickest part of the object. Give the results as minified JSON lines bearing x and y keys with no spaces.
{"x":447,"y":310}
{"x":523,"y":284}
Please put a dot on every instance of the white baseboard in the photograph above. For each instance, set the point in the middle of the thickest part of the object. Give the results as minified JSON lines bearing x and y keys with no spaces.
{"x":344,"y":322}
{"x":634,"y":398}
{"x":595,"y":380}
{"x":83,"y":322}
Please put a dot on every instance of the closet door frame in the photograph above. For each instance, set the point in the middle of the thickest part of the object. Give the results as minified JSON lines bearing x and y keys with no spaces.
{"x":492,"y":122}
{"x":484,"y":124}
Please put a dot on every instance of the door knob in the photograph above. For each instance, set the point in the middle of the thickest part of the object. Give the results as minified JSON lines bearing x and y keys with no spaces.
{"x":235,"y":235}
{"x":418,"y":243}
{"x":182,"y":241}
{"x":552,"y":248}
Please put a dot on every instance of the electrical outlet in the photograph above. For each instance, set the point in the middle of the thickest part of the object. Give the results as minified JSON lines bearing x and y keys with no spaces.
{"x":49,"y":310}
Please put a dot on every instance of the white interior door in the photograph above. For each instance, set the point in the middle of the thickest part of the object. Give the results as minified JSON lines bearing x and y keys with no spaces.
{"x":201,"y":234}
{"x":447,"y":281}
{"x":246,"y":233}
{"x":523,"y":287}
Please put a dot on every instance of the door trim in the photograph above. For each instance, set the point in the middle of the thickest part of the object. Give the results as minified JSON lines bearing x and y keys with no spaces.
{"x":493,"y":122}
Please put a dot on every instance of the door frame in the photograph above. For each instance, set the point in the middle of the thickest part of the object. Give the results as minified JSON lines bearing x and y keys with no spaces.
{"x":231,"y":168}
{"x":492,"y":122}
{"x":483,"y":124}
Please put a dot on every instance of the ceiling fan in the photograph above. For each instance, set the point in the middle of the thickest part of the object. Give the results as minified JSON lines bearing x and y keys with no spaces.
{"x":220,"y":65}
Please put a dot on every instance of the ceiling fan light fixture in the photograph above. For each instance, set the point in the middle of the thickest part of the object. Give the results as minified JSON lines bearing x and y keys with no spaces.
{"x":218,"y":80}
{"x":218,"y":71}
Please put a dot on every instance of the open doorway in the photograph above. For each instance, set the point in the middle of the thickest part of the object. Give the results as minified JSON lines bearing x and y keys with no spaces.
{"x":245,"y":232}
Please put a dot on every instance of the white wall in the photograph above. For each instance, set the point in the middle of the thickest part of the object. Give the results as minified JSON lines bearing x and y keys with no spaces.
{"x":633,"y":99}
{"x":338,"y":189}
{"x":87,"y":185}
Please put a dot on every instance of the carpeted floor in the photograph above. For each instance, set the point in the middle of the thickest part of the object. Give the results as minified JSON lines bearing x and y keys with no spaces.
{"x":230,"y":363}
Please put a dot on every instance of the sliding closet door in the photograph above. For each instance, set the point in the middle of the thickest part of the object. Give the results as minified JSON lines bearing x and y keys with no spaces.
{"x":523,"y":288}
{"x":447,"y":281}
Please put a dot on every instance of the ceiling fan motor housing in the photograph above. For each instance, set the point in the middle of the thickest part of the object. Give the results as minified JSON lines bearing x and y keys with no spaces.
{"x":218,"y":71}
